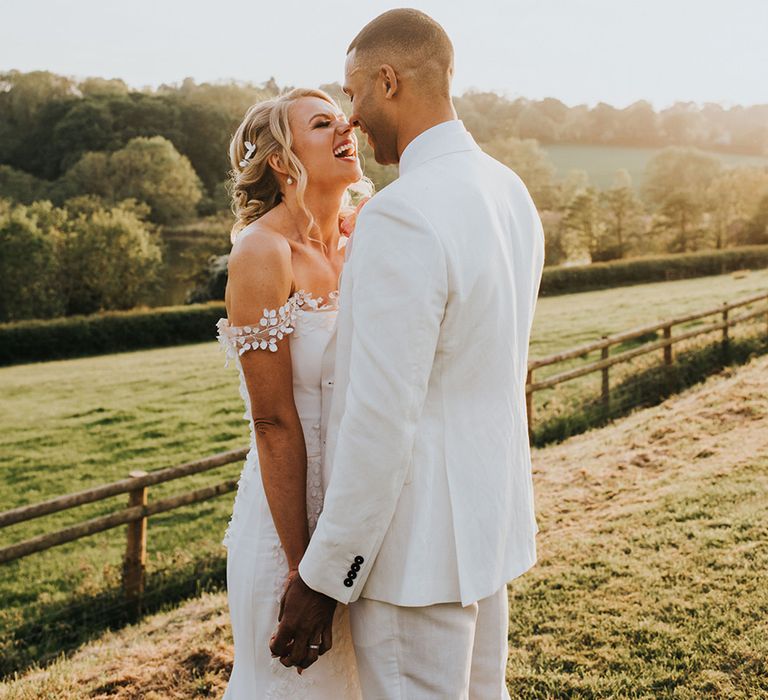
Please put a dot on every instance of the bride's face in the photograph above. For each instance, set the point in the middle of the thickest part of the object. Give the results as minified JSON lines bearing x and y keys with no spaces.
{"x":323,"y":140}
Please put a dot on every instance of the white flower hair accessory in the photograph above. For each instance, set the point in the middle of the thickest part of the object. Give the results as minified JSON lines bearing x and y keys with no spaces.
{"x":249,"y":154}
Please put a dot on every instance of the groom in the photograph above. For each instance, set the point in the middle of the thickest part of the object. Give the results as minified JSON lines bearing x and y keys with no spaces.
{"x":429,"y":506}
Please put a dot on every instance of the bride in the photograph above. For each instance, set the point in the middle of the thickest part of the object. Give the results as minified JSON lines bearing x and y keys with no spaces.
{"x":294,"y":169}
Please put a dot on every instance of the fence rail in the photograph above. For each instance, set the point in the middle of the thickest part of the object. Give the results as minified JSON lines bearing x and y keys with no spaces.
{"x":137,"y":484}
{"x":666,"y":344}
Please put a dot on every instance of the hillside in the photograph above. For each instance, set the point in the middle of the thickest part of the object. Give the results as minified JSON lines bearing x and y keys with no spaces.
{"x":652,"y":546}
{"x":601,"y":162}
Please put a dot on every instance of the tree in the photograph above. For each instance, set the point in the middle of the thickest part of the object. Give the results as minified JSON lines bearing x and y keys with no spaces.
{"x":682,"y":124}
{"x":92,"y":174}
{"x":533,"y":123}
{"x":638,"y":125}
{"x":678,"y":223}
{"x":531,"y":163}
{"x":732,"y":198}
{"x":621,"y":214}
{"x":77,"y":259}
{"x":87,"y":126}
{"x":100,"y":87}
{"x":755,"y":232}
{"x":555,"y":250}
{"x":489,"y":116}
{"x":603,"y":122}
{"x":676,"y":183}
{"x":109,"y":258}
{"x":574,"y":183}
{"x":29,"y":266}
{"x":21,"y":187}
{"x":676,"y":170}
{"x":153,"y":171}
{"x":149,"y":170}
{"x":586,"y":230}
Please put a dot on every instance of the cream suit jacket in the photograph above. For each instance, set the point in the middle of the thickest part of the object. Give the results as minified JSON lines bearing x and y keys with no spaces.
{"x":427,"y":464}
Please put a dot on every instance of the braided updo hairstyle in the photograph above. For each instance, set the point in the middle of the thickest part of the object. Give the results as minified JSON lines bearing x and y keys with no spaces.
{"x":254,"y":188}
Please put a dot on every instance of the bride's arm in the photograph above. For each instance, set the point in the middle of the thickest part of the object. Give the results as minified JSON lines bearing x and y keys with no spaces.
{"x":260,"y":278}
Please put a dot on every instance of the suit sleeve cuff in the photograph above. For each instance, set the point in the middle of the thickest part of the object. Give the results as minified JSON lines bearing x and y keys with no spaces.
{"x":337,"y":587}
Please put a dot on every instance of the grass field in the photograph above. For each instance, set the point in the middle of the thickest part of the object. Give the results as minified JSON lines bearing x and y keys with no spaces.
{"x":653,"y":546}
{"x":73,"y":424}
{"x":602,"y":162}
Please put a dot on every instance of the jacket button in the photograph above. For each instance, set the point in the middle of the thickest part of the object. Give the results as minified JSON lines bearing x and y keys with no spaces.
{"x":352,"y":575}
{"x":348,"y":582}
{"x":355,"y":567}
{"x":359,"y":559}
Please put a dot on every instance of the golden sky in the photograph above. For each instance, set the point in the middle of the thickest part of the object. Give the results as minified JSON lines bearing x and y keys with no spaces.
{"x":615,"y":51}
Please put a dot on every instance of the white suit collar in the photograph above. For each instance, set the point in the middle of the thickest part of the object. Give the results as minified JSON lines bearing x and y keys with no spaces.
{"x":444,"y":138}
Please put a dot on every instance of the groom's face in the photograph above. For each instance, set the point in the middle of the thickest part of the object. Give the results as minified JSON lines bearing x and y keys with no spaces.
{"x":372,"y":113}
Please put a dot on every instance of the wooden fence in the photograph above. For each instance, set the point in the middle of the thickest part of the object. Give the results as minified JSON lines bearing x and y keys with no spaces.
{"x":137,"y":484}
{"x":725,"y":321}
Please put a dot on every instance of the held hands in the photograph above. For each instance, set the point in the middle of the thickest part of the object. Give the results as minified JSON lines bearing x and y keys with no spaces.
{"x":304,"y":630}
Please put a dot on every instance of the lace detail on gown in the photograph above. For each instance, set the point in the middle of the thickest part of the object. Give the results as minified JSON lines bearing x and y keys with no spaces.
{"x":296,"y":319}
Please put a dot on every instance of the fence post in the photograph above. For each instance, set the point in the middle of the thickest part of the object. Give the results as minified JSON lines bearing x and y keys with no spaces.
{"x":725,"y":331}
{"x":668,"y":348}
{"x":529,"y":402}
{"x":606,"y":391}
{"x":135,"y":561}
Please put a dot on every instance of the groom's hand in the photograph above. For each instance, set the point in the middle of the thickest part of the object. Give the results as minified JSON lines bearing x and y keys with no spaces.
{"x":305,"y":624}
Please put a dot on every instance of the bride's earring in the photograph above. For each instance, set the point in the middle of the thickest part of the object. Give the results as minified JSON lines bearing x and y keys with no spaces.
{"x":289,"y":180}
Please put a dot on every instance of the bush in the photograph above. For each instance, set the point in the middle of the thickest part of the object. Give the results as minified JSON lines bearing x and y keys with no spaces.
{"x":619,"y":273}
{"x":77,"y":336}
{"x":79,"y":259}
{"x":109,"y":257}
{"x":578,"y":278}
{"x":29,"y":265}
{"x":149,"y":170}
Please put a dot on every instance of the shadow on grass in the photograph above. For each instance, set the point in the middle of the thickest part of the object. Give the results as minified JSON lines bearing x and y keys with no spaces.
{"x":649,"y":388}
{"x":63,"y":626}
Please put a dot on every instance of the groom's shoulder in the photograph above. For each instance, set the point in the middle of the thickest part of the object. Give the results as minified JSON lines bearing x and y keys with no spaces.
{"x":409,"y":190}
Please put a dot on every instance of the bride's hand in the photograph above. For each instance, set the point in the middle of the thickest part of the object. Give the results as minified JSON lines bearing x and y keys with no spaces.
{"x":304,"y":630}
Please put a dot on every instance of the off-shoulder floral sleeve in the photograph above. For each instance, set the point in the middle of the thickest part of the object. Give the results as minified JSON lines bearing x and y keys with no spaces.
{"x":274,"y":326}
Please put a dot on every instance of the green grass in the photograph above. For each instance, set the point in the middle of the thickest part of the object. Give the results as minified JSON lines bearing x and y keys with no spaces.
{"x":649,"y":582}
{"x":653,"y":549}
{"x":69,"y":425}
{"x":574,"y":319}
{"x":659,"y":602}
{"x":602,"y":162}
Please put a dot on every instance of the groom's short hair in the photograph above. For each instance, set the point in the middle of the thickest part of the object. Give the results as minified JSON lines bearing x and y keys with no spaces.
{"x":409,"y":40}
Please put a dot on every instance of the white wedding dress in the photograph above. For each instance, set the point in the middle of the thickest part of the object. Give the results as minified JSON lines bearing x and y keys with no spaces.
{"x":256,"y":563}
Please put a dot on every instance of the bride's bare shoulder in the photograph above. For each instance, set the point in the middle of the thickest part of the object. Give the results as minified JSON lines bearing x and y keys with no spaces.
{"x":260,"y":249}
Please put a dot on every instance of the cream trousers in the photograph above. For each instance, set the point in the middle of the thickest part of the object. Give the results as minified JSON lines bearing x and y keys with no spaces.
{"x":437,"y":652}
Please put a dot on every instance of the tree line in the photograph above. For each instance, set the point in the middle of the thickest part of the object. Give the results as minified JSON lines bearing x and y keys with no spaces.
{"x":688,"y":202}
{"x":49,"y":122}
{"x":74,"y":154}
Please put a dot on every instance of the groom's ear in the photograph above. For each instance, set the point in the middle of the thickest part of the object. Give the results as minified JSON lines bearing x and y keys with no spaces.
{"x":388,"y":79}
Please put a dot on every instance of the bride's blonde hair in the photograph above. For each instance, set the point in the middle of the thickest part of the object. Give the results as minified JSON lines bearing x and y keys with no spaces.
{"x":254,"y":188}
